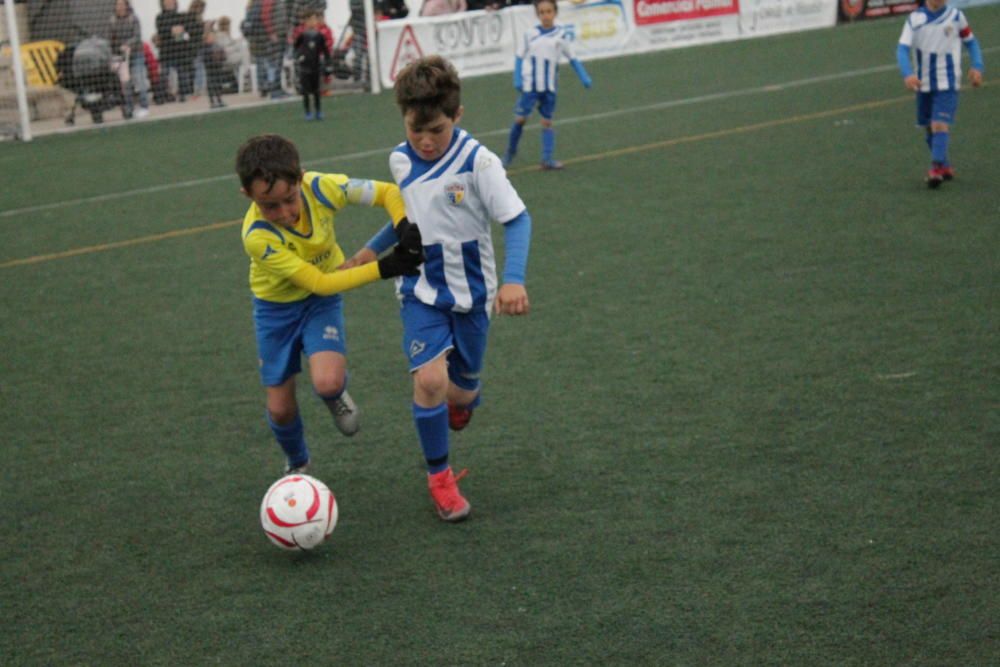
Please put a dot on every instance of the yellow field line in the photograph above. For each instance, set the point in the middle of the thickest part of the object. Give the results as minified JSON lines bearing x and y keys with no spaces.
{"x":118,"y":244}
{"x":722,"y":133}
{"x":577,"y":160}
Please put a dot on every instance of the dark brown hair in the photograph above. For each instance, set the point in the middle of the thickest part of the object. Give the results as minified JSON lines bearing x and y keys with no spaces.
{"x":429,"y":86}
{"x":270,"y":158}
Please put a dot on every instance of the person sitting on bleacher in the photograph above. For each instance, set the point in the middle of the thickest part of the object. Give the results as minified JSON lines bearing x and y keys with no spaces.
{"x":126,"y":41}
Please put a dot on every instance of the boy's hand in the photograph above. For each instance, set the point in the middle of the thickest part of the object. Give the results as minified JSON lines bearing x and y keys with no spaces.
{"x":512,"y":299}
{"x":363,"y":256}
{"x":400,"y":262}
{"x":975,"y":77}
{"x":912,"y":82}
{"x":408,"y":236}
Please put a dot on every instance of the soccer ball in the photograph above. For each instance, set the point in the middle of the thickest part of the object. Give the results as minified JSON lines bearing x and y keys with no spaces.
{"x":298,"y":512}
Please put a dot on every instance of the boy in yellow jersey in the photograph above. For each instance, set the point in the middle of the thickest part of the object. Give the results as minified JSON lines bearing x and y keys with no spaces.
{"x":294,"y":258}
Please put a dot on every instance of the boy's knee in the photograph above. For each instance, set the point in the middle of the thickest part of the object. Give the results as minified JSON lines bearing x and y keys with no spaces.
{"x":331,"y":385}
{"x":430,"y":381}
{"x":282,"y":413}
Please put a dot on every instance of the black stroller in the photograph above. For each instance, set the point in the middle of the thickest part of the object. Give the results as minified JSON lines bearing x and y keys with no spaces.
{"x":87,"y":71}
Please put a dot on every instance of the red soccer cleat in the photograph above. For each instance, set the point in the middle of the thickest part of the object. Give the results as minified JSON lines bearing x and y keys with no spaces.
{"x":947,"y":173}
{"x":448,"y":501}
{"x":458,"y":417}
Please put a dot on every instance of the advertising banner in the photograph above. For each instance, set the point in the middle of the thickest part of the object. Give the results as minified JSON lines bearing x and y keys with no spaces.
{"x":481,"y":42}
{"x":476,"y":42}
{"x":769,"y":17}
{"x":853,"y":10}
{"x":662,"y":24}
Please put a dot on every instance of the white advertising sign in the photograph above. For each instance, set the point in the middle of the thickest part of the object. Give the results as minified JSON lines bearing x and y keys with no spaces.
{"x":476,"y":42}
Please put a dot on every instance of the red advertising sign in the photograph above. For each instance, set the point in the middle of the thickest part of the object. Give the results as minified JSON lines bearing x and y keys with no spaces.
{"x":661,"y":11}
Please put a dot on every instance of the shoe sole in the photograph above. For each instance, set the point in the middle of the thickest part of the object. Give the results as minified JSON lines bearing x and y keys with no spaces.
{"x":934,"y":183}
{"x":455,"y":517}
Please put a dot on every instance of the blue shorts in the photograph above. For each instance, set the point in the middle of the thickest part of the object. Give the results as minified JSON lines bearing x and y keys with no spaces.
{"x":546,"y":103}
{"x":937,"y":107}
{"x":286,"y":330}
{"x":429,"y":331}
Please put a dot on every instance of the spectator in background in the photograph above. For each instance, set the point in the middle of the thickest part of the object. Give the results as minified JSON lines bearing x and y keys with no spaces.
{"x":173,"y":39}
{"x":214,"y":58}
{"x":194,"y":22}
{"x":386,"y":10}
{"x":312,"y":58}
{"x":266,"y":30}
{"x":301,"y":8}
{"x":126,"y":40}
{"x":156,"y":82}
{"x":488,"y":5}
{"x":235,"y":50}
{"x":441,"y":7}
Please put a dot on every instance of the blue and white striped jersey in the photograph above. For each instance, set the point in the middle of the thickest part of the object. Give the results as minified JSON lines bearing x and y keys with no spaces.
{"x":453,"y":200}
{"x":539,"y":51}
{"x":936,"y":38}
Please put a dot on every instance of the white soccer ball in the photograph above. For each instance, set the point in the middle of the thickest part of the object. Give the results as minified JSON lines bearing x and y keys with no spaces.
{"x":298,"y":512}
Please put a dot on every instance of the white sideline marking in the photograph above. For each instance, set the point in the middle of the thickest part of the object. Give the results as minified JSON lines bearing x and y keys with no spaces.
{"x":896,"y":376}
{"x":712,"y":97}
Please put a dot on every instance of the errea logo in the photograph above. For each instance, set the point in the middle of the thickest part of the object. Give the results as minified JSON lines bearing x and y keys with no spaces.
{"x":331,"y":333}
{"x":416,"y":347}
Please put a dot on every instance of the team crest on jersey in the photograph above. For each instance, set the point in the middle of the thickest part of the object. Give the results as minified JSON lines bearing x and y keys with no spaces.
{"x":947,"y":31}
{"x":455,"y":193}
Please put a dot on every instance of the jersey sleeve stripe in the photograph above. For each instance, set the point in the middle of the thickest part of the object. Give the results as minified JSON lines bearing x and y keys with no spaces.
{"x":470,"y":161}
{"x":320,"y":197}
{"x":267,"y":227}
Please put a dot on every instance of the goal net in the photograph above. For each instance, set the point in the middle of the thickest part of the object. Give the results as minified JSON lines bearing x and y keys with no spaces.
{"x":71,"y":64}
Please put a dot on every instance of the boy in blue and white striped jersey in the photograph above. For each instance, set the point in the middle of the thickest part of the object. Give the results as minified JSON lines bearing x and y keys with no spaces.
{"x":936,"y":32}
{"x":457,"y":189}
{"x":536,"y":75}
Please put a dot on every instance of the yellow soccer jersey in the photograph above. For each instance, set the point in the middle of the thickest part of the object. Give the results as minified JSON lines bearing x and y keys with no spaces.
{"x":277,"y":253}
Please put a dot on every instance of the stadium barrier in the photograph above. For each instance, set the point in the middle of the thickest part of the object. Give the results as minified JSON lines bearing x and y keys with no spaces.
{"x":478,"y":42}
{"x":482,"y":42}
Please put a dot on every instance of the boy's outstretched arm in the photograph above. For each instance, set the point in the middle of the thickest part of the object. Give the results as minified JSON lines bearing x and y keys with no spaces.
{"x":581,"y":72}
{"x":910,"y":79}
{"x":976,"y":56}
{"x":397,"y":263}
{"x":512,"y":297}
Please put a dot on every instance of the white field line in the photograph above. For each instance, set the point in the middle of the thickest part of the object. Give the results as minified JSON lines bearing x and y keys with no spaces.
{"x":700,"y":99}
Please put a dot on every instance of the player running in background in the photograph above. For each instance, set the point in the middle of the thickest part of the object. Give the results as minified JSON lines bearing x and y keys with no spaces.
{"x":536,"y":72}
{"x":294,"y":258}
{"x":454,"y":187}
{"x":937,"y":33}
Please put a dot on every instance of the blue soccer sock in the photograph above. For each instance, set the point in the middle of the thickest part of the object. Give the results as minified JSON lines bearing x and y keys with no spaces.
{"x":292,"y":439}
{"x":515,"y":137}
{"x":929,"y":138}
{"x":548,"y":143}
{"x":432,"y":428}
{"x":939,"y":148}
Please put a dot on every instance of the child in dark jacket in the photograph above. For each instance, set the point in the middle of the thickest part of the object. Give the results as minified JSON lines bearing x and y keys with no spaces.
{"x":312,"y":56}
